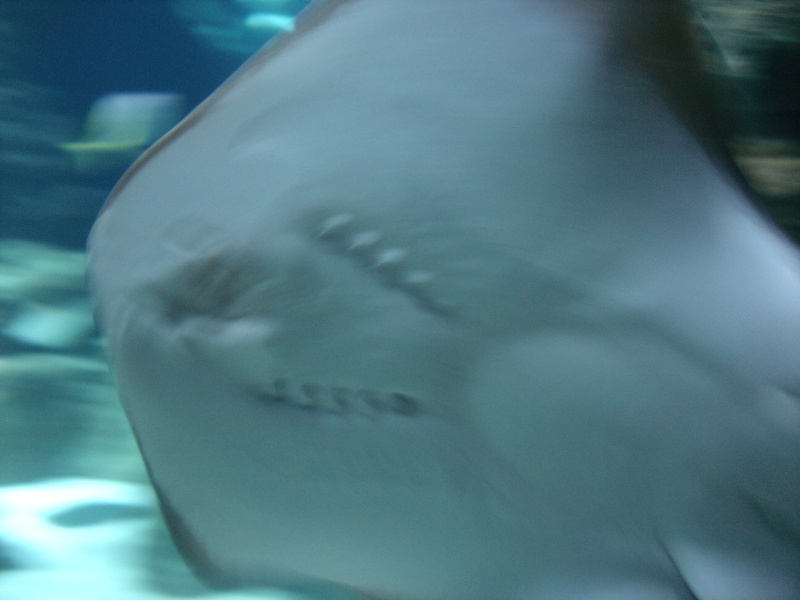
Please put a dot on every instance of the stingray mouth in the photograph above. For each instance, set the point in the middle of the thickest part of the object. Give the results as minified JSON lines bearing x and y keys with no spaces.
{"x":338,"y":400}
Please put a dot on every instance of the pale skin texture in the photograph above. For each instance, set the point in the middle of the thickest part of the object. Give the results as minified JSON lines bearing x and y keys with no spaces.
{"x":459,"y":300}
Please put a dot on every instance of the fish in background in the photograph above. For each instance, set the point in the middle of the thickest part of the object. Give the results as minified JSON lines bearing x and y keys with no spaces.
{"x":119,"y":126}
{"x":462,"y":300}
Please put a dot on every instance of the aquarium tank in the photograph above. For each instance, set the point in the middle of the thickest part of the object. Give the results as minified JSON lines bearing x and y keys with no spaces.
{"x":85,"y":87}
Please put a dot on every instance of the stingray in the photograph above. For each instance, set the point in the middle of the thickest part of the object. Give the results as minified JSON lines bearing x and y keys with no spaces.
{"x":462,"y":300}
